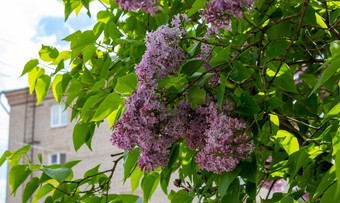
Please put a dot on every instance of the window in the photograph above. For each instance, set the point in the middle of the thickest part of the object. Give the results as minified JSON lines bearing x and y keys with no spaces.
{"x":59,"y":158}
{"x":58,"y":116}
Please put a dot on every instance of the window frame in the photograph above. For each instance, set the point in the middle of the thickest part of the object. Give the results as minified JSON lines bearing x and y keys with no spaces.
{"x":58,"y":158}
{"x":60,"y":114}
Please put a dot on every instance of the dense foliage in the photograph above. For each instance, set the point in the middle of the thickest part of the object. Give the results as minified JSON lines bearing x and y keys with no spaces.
{"x":233,"y":95}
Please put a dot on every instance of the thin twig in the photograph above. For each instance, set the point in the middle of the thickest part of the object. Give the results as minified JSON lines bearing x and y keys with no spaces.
{"x":302,"y":14}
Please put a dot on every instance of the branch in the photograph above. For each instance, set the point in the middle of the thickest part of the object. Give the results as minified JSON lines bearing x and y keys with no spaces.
{"x":213,"y":68}
{"x":106,"y":182}
{"x":302,"y":14}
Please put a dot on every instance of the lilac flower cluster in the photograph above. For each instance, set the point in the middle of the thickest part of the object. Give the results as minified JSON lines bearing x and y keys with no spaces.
{"x":147,"y":123}
{"x":151,"y":126}
{"x":149,"y":6}
{"x":221,"y":143}
{"x":216,"y":12}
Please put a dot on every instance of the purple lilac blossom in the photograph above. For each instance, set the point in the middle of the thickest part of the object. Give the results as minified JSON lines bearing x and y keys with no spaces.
{"x":306,"y":196}
{"x":216,"y":12}
{"x":151,"y":126}
{"x":149,"y":6}
{"x":147,"y":123}
{"x":223,"y":143}
{"x":277,"y":187}
{"x":297,"y":75}
{"x":162,"y":57}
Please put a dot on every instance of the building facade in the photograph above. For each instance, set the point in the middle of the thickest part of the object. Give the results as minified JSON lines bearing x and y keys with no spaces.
{"x":47,"y":128}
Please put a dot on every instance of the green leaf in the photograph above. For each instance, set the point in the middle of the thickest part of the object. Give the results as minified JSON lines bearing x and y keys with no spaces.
{"x":130,"y":163}
{"x":48,"y":53}
{"x":17,"y":155}
{"x":240,"y":73}
{"x":72,"y":36}
{"x":164,"y":178}
{"x":110,"y":104}
{"x":288,"y":199}
{"x":337,"y":171}
{"x":328,"y":73}
{"x":87,"y":77}
{"x":115,"y":115}
{"x":63,"y":56}
{"x":59,"y":68}
{"x":29,"y":66}
{"x":332,"y":113}
{"x":233,"y":193}
{"x":288,"y":141}
{"x":182,"y":197}
{"x":42,"y":87}
{"x":277,"y":48}
{"x":220,"y":56}
{"x":126,"y":84}
{"x":30,"y":188}
{"x":191,"y":66}
{"x":129,"y":41}
{"x":81,"y":134}
{"x":326,"y":181}
{"x":196,"y":95}
{"x":89,"y":51}
{"x":44,"y":190}
{"x":17,"y":176}
{"x":161,"y":19}
{"x":104,"y":16}
{"x":40,"y":158}
{"x":71,"y":164}
{"x":112,"y":30}
{"x":83,"y":39}
{"x":198,"y":4}
{"x":224,"y":180}
{"x":248,"y":105}
{"x":122,"y":198}
{"x":57,"y":87}
{"x":32,"y":77}
{"x":4,"y":157}
{"x":149,"y":185}
{"x":69,"y":7}
{"x":284,"y":79}
{"x":331,"y":194}
{"x":135,"y":177}
{"x":59,"y":174}
{"x":335,"y":47}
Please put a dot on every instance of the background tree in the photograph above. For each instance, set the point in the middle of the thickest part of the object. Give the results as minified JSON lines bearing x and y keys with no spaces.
{"x":234,"y":95}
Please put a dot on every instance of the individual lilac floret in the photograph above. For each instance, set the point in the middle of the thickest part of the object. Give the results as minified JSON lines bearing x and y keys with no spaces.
{"x":217,"y":16}
{"x":149,"y":6}
{"x":223,"y":143}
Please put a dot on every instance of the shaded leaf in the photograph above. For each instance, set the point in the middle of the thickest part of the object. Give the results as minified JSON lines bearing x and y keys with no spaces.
{"x":59,"y":174}
{"x":17,"y":176}
{"x":30,"y":188}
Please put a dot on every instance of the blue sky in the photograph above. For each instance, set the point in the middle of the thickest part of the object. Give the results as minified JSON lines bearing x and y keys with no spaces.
{"x":25,"y":25}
